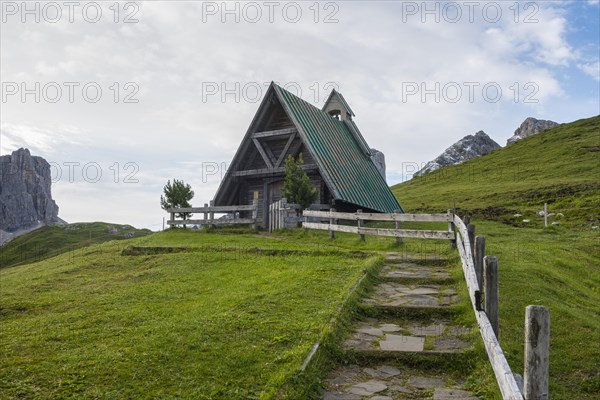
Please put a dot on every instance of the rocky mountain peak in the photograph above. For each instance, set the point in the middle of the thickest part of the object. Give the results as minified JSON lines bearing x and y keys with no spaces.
{"x":25,"y":192}
{"x":530,"y":127}
{"x":469,"y":147}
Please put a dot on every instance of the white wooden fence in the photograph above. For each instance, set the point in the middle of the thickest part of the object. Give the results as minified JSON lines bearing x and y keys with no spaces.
{"x":361,"y":217}
{"x":481,"y":276}
{"x":209,"y":212}
{"x":283,"y":215}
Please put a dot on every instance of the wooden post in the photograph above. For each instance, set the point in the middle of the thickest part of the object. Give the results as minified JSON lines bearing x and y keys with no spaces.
{"x":331,"y":222}
{"x":360,"y":225}
{"x":545,"y":215}
{"x":452,"y":227}
{"x":205,"y":214}
{"x":212,"y":214}
{"x":478,"y":260}
{"x":537,"y":353}
{"x":255,"y":212}
{"x":490,"y":278}
{"x":471,"y":232}
{"x":398,"y":226}
{"x":172,"y":219}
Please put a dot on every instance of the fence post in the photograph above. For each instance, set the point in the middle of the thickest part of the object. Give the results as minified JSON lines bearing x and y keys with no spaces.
{"x":331,"y":222}
{"x":398,"y":226}
{"x":172,"y":219}
{"x":478,"y":260}
{"x":360,"y":225}
{"x":205,"y":214}
{"x":254,"y":213}
{"x":537,"y":353}
{"x":212,"y":214}
{"x":490,"y":278}
{"x":471,"y":232}
{"x":452,"y":228}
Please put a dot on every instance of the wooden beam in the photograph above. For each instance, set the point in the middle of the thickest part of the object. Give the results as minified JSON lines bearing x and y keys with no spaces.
{"x":270,"y":153}
{"x":422,"y":234}
{"x":278,"y":132}
{"x":213,"y":221}
{"x":504,"y":376}
{"x":285,"y":150}
{"x":266,"y":159}
{"x":380,"y":216}
{"x":215,"y":209}
{"x":270,"y":171}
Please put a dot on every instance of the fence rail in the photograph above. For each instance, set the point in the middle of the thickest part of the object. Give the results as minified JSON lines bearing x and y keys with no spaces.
{"x":506,"y":380}
{"x":360,"y":217}
{"x":209,"y":212}
{"x":481,"y":276}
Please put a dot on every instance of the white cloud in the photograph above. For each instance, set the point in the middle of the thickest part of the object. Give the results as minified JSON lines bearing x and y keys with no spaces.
{"x":369,"y":54}
{"x":592,"y":69}
{"x":39,"y":140}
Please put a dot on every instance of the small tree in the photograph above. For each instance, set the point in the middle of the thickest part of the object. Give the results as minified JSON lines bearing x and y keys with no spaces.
{"x":296,"y":186}
{"x":177,"y":195}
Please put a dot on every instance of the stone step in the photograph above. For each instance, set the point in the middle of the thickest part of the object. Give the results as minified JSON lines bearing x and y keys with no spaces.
{"x":391,"y":382}
{"x":410,"y":271}
{"x":420,"y":258}
{"x":400,"y":295}
{"x":435,"y":337}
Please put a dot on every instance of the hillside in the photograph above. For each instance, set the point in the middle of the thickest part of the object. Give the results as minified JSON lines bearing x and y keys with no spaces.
{"x":560,"y":166}
{"x":557,"y":266}
{"x":50,"y":241}
{"x":206,"y":322}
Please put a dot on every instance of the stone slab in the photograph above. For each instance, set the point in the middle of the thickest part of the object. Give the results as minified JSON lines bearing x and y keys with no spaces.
{"x":423,"y":382}
{"x":368,"y":388}
{"x":402,"y":343}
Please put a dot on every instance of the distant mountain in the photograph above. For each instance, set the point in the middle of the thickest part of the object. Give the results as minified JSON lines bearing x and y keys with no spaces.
{"x":530,"y":127}
{"x":25,"y":198}
{"x":469,"y":147}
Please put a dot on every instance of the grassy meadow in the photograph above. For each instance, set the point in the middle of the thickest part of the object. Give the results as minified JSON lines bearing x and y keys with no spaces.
{"x":232,"y":314}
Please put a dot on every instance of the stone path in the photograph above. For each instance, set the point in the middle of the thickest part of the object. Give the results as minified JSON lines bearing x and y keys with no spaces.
{"x":377,"y":347}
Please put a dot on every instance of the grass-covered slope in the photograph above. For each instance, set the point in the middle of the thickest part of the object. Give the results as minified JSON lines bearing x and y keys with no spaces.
{"x":50,"y":241}
{"x":558,"y":266}
{"x":221,"y":321}
{"x":560,"y":166}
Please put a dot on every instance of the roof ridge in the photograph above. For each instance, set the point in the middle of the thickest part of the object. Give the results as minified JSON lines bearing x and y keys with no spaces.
{"x":309,"y":104}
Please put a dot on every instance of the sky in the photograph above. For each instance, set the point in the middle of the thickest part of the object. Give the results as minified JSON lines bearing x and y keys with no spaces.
{"x":121,"y":97}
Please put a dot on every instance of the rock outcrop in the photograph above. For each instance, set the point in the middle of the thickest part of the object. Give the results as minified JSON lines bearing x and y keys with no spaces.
{"x":469,"y":147}
{"x":25,"y":193}
{"x":530,"y":127}
{"x":379,"y":160}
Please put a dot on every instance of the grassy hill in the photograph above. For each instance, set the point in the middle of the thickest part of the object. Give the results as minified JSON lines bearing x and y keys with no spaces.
{"x":560,"y":166}
{"x":229,"y":314}
{"x":558,"y":266}
{"x":50,"y":241}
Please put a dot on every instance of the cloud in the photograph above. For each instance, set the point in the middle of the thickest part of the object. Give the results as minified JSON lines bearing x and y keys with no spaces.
{"x":39,"y":140}
{"x":592,"y":69}
{"x":370,"y":53}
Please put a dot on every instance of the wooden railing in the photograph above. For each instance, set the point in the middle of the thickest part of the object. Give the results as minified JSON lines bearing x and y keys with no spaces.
{"x":481,"y":275}
{"x":360,"y":217}
{"x":209,"y":212}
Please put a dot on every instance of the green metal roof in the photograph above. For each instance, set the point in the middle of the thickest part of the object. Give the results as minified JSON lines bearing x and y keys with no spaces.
{"x":348,"y":171}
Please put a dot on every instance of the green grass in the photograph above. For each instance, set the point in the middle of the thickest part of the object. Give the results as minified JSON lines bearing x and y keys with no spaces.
{"x":235,"y":314}
{"x":209,"y":324}
{"x":560,"y":166}
{"x":50,"y":241}
{"x":558,"y":266}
